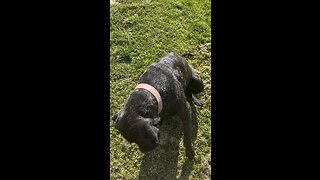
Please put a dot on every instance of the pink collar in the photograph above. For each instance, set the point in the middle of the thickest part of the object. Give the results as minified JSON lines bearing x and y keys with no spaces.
{"x":154,"y":92}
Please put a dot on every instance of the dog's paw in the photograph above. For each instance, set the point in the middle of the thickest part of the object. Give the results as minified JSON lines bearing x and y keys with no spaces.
{"x":198,"y":103}
{"x":114,"y":117}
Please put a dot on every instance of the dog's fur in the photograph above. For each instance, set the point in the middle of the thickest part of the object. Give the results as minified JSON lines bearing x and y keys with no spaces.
{"x":177,"y":83}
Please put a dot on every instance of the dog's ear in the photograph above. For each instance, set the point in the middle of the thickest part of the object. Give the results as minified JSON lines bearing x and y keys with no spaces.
{"x":114,"y":117}
{"x":116,"y":120}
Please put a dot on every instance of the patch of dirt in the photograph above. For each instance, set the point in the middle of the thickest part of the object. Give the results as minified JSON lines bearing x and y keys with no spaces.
{"x":205,"y":49}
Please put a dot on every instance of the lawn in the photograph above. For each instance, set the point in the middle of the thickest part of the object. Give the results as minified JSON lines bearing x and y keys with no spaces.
{"x":142,"y":31}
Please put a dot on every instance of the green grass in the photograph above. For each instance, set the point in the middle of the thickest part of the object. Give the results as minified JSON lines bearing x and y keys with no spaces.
{"x":141,"y":32}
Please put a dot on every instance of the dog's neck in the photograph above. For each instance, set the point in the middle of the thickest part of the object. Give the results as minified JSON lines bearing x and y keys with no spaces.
{"x":145,"y":104}
{"x":154,"y":92}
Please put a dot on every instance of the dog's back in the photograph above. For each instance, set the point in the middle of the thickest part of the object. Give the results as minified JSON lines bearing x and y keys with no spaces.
{"x":170,"y":75}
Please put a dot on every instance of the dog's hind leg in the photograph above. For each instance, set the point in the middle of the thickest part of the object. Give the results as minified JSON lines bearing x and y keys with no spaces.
{"x":186,"y":116}
{"x":194,"y":86}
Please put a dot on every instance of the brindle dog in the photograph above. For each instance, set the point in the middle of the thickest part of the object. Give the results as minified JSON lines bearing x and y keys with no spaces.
{"x":177,"y":83}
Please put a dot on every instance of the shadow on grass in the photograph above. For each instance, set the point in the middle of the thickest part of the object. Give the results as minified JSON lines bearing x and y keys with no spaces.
{"x":162,"y":163}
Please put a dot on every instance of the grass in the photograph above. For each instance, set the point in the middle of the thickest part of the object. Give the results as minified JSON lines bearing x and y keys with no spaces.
{"x":142,"y":31}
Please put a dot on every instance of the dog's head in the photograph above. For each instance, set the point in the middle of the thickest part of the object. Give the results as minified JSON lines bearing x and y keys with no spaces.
{"x":139,"y":130}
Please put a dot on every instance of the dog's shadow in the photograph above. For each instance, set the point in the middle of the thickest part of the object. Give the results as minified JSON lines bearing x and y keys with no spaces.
{"x":162,"y":163}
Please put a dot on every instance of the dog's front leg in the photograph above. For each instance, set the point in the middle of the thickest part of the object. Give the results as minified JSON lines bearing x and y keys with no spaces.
{"x":186,"y":117}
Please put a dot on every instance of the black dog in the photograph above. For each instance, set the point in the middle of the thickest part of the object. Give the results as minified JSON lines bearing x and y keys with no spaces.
{"x":177,"y":83}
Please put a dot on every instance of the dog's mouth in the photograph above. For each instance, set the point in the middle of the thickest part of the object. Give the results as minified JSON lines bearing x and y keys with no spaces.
{"x":151,"y":145}
{"x":145,"y":150}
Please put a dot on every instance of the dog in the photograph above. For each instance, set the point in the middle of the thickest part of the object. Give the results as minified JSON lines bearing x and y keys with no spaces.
{"x":166,"y":88}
